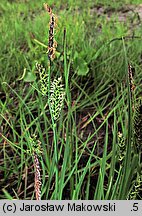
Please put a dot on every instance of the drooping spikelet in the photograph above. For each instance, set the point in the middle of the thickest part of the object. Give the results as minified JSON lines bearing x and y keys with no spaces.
{"x":131,"y":84}
{"x":56,"y":97}
{"x":36,"y":152}
{"x":136,"y":189}
{"x":131,"y":80}
{"x":121,"y":147}
{"x":37,"y":177}
{"x":138,"y":127}
{"x":43,"y":76}
{"x":52,"y":44}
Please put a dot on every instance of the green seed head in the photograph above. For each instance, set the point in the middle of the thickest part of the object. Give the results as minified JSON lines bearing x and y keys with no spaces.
{"x":43,"y":75}
{"x":57,"y":95}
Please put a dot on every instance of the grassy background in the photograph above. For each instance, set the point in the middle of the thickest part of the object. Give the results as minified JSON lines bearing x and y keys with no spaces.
{"x":101,"y":36}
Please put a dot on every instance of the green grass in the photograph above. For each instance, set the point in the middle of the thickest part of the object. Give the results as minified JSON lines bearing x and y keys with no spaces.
{"x":80,"y":150}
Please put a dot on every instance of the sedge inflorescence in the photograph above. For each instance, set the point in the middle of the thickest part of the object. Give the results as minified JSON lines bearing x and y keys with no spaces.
{"x":56,"y":90}
{"x":43,"y":75}
{"x":56,"y":97}
{"x":52,"y":44}
{"x":36,"y":151}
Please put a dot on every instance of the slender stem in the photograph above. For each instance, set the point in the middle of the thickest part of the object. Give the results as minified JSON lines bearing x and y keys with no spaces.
{"x":69,"y":122}
{"x":54,"y":126}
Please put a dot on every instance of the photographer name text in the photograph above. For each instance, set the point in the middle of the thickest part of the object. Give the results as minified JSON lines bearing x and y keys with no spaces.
{"x":71,"y":207}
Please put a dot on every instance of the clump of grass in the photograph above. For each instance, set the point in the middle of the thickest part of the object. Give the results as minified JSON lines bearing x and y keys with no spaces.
{"x":71,"y":162}
{"x":53,"y":90}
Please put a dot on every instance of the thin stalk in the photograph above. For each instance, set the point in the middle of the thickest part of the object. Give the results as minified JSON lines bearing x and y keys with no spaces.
{"x":127,"y":162}
{"x":55,"y":135}
{"x":69,"y":121}
{"x":51,"y":56}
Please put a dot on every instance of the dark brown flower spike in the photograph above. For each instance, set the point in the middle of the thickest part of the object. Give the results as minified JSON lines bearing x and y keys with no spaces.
{"x":52,"y":44}
{"x":36,"y":152}
{"x":37,"y":177}
{"x":131,"y":80}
